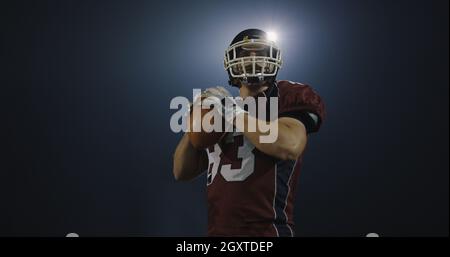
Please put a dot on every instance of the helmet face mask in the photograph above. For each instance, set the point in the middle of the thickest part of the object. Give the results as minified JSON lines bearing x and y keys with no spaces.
{"x":252,"y":60}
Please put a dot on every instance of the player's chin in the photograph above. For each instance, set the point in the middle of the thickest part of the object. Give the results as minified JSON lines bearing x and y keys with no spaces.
{"x":255,"y":85}
{"x":256,"y":89}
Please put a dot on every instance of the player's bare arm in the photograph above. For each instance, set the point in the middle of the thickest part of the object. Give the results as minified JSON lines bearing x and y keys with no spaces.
{"x":290,"y":143}
{"x":188,"y":162}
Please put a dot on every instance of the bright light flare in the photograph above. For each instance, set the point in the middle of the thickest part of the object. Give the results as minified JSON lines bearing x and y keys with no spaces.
{"x":272,"y":36}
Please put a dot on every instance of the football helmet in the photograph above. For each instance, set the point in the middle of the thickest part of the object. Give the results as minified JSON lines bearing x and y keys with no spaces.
{"x":252,"y":58}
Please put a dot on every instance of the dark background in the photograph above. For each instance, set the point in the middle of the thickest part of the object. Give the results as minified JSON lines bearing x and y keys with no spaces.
{"x":85,"y":92}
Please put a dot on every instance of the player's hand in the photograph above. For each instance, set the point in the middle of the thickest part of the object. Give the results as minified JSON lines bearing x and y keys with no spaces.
{"x":229,"y":108}
{"x":211,"y":96}
{"x":215,"y":95}
{"x":219,"y":96}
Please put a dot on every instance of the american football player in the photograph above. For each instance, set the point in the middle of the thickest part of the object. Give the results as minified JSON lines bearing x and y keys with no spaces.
{"x":251,"y":185}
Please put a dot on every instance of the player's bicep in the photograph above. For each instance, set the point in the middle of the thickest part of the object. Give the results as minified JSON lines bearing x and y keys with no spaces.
{"x":293,"y":136}
{"x":310,"y":120}
{"x":295,"y":128}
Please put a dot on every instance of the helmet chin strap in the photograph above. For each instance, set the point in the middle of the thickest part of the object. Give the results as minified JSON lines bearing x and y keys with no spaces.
{"x":250,"y":81}
{"x":254,"y":81}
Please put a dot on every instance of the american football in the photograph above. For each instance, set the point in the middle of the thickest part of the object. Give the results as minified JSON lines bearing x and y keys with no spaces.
{"x":202,"y":139}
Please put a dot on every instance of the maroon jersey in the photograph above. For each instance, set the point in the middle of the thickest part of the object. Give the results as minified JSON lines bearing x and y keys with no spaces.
{"x":251,"y":193}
